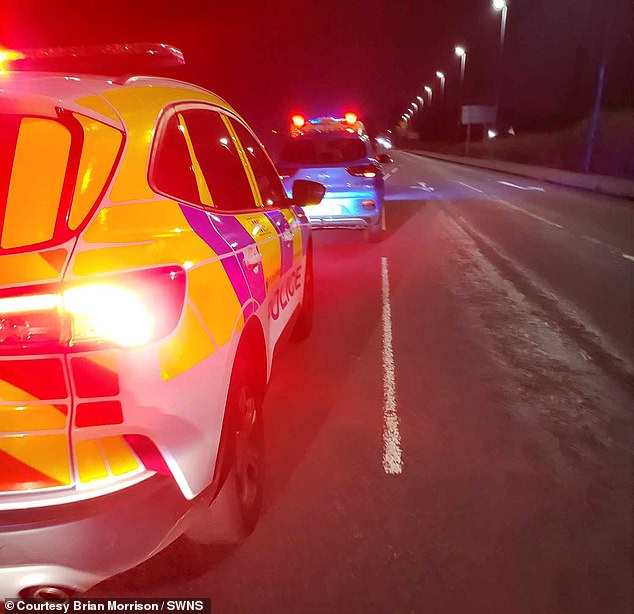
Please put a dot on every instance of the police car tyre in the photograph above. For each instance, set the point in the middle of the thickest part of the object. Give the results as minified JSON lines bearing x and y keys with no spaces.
{"x":304,"y":324}
{"x":48,"y":593}
{"x":234,"y":513}
{"x":376,"y":233}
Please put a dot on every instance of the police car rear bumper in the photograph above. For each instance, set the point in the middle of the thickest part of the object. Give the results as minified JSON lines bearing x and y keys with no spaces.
{"x":342,"y":222}
{"x":75,"y":546}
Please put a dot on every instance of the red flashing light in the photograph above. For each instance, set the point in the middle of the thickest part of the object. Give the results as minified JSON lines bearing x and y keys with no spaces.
{"x":351,"y":118}
{"x":298,"y":121}
{"x":7,"y":56}
{"x":369,"y":171}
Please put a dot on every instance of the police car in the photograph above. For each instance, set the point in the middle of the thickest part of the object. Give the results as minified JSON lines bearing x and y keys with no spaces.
{"x":150,"y":262}
{"x":337,"y":152}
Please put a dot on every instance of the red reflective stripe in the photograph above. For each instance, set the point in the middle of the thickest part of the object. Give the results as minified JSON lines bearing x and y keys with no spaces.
{"x":148,"y":453}
{"x":16,"y":475}
{"x":100,"y":413}
{"x":94,"y":380}
{"x":41,"y":378}
{"x":55,"y":257}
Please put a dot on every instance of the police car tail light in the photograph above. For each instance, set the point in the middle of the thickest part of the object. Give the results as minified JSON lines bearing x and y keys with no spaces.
{"x":126,"y":310}
{"x":364,"y":170}
{"x":110,"y":313}
{"x":351,"y":118}
{"x":298,"y":121}
{"x":32,"y":320}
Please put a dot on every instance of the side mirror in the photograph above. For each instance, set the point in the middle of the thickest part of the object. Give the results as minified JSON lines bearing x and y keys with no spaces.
{"x":307,"y":193}
{"x":383,"y":158}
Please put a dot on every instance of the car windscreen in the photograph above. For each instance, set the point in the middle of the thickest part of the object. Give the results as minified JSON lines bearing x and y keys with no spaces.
{"x":323,"y":151}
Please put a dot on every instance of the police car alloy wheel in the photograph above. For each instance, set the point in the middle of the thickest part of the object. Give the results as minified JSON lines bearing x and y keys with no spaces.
{"x":249,"y":456}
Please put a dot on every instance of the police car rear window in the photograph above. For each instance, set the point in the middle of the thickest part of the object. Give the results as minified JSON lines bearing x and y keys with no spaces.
{"x":52,"y":173}
{"x":323,"y":151}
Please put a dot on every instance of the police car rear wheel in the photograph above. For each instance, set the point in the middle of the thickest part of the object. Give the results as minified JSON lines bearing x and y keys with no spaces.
{"x":376,"y":234}
{"x":234,"y":513}
{"x":376,"y":231}
{"x":248,"y":457}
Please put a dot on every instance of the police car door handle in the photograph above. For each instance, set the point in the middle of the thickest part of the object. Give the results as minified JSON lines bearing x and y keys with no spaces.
{"x":287,"y":235}
{"x":252,"y":256}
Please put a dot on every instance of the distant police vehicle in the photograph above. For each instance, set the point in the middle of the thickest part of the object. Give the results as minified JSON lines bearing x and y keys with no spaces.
{"x":338,"y":153}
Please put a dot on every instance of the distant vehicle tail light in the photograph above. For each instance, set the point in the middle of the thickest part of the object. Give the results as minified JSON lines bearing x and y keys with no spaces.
{"x":368,"y":205}
{"x":366,"y":170}
{"x":351,"y":118}
{"x":285,"y":173}
{"x":298,"y":121}
{"x":125,"y":310}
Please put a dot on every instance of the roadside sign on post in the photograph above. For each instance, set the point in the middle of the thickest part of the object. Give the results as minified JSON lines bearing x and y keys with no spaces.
{"x":479,"y":115}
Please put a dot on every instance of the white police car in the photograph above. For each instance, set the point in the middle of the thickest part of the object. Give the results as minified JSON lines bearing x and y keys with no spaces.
{"x":338,"y":153}
{"x":150,"y":263}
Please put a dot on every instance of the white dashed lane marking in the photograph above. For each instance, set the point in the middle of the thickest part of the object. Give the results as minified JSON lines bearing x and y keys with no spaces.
{"x":523,"y":187}
{"x":388,"y":175}
{"x":392,"y":454}
{"x":466,"y":185}
{"x":528,"y":213}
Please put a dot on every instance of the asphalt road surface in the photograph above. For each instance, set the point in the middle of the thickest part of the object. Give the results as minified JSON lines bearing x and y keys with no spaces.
{"x":456,"y":434}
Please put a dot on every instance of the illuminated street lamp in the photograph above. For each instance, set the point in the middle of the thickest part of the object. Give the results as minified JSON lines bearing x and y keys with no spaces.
{"x":461,"y":52}
{"x":420,"y":99}
{"x":429,"y":92}
{"x":415,"y":106}
{"x":441,"y":76}
{"x":501,"y":5}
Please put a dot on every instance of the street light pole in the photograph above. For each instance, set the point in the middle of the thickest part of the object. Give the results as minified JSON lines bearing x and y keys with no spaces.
{"x":429,"y":92}
{"x":461,"y":52}
{"x":593,"y":126}
{"x":502,"y":6}
{"x":441,"y":76}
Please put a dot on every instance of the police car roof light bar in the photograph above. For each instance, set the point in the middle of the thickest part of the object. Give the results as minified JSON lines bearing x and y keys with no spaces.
{"x":157,"y":53}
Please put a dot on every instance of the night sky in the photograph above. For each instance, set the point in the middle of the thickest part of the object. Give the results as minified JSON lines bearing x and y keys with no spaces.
{"x":323,"y":57}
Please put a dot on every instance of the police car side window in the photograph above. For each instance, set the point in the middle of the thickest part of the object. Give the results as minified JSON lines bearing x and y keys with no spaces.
{"x":219,"y":160}
{"x":268,"y":180}
{"x":172,"y":172}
